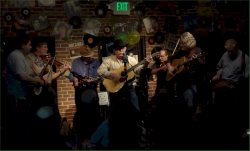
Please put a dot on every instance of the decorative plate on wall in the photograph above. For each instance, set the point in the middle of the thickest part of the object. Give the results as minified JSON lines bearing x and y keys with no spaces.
{"x":8,"y":17}
{"x":90,"y":40}
{"x":25,"y":12}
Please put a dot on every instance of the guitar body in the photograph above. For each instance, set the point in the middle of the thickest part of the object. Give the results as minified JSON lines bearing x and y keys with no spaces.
{"x":116,"y":84}
{"x":177,"y":64}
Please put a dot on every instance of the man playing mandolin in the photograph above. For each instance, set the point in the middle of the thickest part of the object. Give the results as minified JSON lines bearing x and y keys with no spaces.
{"x":84,"y":77}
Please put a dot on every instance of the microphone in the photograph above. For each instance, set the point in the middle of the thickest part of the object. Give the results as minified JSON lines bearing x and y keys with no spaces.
{"x":125,"y":58}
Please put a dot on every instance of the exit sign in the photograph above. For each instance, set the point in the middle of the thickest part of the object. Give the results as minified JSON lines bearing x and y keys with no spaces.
{"x":121,"y":8}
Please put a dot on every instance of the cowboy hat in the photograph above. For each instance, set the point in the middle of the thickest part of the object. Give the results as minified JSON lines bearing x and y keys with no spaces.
{"x":85,"y":51}
{"x":119,"y":44}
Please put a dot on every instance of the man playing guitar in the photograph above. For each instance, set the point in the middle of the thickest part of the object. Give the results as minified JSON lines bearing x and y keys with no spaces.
{"x":124,"y":106}
{"x":186,"y":72}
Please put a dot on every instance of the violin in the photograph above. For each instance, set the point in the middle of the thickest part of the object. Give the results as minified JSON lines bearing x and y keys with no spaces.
{"x":47,"y":59}
{"x":163,"y":63}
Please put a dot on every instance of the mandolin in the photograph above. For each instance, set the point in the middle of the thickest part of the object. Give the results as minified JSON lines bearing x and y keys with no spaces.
{"x":85,"y":80}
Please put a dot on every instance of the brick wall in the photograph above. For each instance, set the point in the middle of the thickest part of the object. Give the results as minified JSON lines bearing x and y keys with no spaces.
{"x":65,"y":89}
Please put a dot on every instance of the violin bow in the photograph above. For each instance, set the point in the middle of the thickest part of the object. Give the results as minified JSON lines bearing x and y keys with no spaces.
{"x":176,"y":46}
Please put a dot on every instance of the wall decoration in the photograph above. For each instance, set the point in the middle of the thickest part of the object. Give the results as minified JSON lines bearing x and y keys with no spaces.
{"x":72,"y":8}
{"x":8,"y":3}
{"x":46,"y":2}
{"x":172,"y":42}
{"x":72,"y":47}
{"x":40,"y":22}
{"x":25,"y":3}
{"x":92,"y":26}
{"x":76,"y":22}
{"x":25,"y":12}
{"x":62,"y":30}
{"x":90,"y":40}
{"x":8,"y":17}
{"x":159,"y":37}
{"x":151,"y":40}
{"x":107,"y":30}
{"x":150,"y":24}
{"x":101,"y":10}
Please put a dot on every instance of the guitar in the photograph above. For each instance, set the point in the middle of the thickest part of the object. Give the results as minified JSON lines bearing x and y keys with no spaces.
{"x":113,"y":86}
{"x":179,"y":64}
{"x":85,"y":81}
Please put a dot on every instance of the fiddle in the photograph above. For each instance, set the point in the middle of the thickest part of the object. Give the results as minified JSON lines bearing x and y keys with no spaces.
{"x":163,"y":63}
{"x":47,"y":59}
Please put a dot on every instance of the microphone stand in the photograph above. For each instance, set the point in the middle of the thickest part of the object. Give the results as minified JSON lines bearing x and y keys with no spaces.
{"x":125,"y":61}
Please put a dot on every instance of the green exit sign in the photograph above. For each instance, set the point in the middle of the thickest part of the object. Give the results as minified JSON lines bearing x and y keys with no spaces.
{"x":121,"y":8}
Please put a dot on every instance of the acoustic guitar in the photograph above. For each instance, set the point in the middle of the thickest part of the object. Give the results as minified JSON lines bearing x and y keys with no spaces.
{"x":115,"y":85}
{"x":179,"y":64}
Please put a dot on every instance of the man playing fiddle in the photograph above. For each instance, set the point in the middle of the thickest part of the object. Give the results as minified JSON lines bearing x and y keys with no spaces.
{"x":46,"y":114}
{"x":41,"y":60}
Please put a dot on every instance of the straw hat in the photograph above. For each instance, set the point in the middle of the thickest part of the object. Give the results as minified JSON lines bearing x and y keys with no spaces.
{"x":187,"y":40}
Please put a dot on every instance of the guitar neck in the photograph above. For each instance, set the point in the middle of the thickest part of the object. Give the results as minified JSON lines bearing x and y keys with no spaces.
{"x":191,"y":59}
{"x":135,"y":66}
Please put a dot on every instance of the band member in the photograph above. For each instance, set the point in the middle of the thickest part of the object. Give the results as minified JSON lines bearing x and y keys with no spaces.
{"x":124,"y":106}
{"x":45,"y":109}
{"x":185,"y":94}
{"x":186,"y":70}
{"x":160,"y":69}
{"x":40,"y":59}
{"x":19,"y":76}
{"x":85,"y":80}
{"x":231,"y":93}
{"x":238,"y":59}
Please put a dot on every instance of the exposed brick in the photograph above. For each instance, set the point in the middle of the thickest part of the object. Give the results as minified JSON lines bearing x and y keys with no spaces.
{"x":65,"y":90}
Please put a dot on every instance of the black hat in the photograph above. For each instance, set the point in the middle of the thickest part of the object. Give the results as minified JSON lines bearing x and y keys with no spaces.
{"x":119,"y":44}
